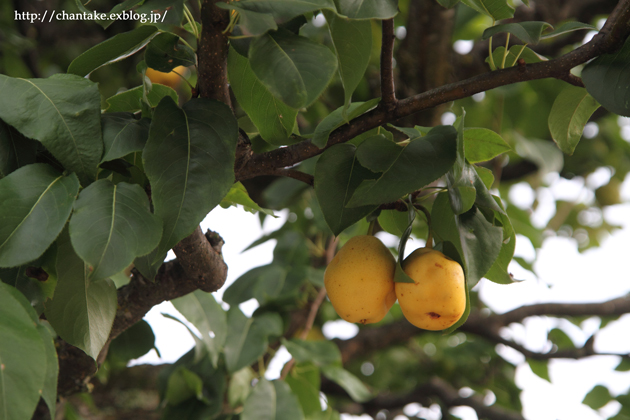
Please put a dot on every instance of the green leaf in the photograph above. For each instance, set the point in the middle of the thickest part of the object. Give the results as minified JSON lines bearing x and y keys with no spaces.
{"x":320,"y":353}
{"x":238,"y":195}
{"x":515,"y":53}
{"x":247,"y":338}
{"x":112,"y":50}
{"x":482,"y":144}
{"x":393,"y":221}
{"x":123,"y":134}
{"x":22,"y":355}
{"x":499,"y":273}
{"x":250,"y":24}
{"x":111,"y":226}
{"x":15,"y":150}
{"x":540,"y":368}
{"x":67,"y":121}
{"x":35,"y":202}
{"x":272,"y":401}
{"x":353,"y":386}
{"x":485,"y":175}
{"x":352,"y":40}
{"x":419,"y":163}
{"x":82,"y":311}
{"x":368,"y":9}
{"x":31,"y":288}
{"x":337,"y":175}
{"x":598,"y":74}
{"x":294,"y":69}
{"x":399,"y":275}
{"x":200,"y":349}
{"x":240,"y":386}
{"x":448,"y":3}
{"x":460,"y":178}
{"x":569,"y":114}
{"x":496,"y":9}
{"x":272,"y":117}
{"x":542,"y":152}
{"x":164,"y":53}
{"x":131,"y":100}
{"x":263,"y":283}
{"x":560,"y":339}
{"x":568,"y":27}
{"x":304,"y":380}
{"x":132,"y":343}
{"x":624,"y":365}
{"x":182,"y":385}
{"x":476,"y":240}
{"x":337,"y":118}
{"x":49,"y":389}
{"x":189,"y":160}
{"x":203,"y":311}
{"x":281,"y":10}
{"x":529,"y":32}
{"x":170,"y":12}
{"x":117,"y":9}
{"x":211,"y":401}
{"x":597,"y":397}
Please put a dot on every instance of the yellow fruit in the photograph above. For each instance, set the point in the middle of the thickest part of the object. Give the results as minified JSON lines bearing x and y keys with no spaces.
{"x":437,"y":298}
{"x":360,"y":280}
{"x":168,"y":79}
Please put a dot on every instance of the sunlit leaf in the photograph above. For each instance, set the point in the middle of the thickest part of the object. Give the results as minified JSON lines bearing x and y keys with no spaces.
{"x":570,"y":112}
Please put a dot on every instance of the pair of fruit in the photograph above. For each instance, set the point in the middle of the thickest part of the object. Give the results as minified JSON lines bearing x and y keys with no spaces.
{"x":360,"y":285}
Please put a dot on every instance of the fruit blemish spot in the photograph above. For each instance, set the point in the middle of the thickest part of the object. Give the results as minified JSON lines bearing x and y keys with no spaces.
{"x":433,"y":315}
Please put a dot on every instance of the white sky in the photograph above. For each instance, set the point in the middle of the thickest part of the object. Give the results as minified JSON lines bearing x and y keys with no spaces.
{"x":564,"y":275}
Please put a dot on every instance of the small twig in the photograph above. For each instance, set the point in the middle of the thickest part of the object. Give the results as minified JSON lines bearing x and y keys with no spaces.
{"x":295,"y":174}
{"x":330,"y":253}
{"x":388,"y":89}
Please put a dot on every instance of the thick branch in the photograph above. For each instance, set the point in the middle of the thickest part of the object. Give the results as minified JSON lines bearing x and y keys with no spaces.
{"x":437,"y":387}
{"x":134,"y":301}
{"x":194,"y":252}
{"x":213,"y":50}
{"x":371,"y":339}
{"x":610,"y":38}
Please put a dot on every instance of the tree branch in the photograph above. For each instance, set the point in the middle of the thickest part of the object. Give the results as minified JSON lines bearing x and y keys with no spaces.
{"x":437,"y":387}
{"x":610,"y":38}
{"x":134,"y":301}
{"x":388,"y":90}
{"x":371,"y":339}
{"x":295,"y":174}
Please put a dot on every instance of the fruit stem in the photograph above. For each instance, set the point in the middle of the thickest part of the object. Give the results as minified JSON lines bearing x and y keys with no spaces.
{"x":371,"y":227}
{"x":428,"y":217}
